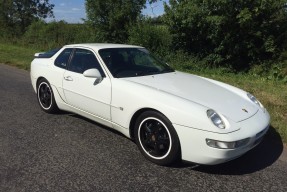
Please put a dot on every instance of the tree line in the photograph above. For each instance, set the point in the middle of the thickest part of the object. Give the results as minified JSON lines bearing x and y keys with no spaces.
{"x":233,"y":33}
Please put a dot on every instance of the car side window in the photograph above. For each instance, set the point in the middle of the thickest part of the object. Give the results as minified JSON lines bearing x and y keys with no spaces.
{"x":83,"y":60}
{"x":63,"y":59}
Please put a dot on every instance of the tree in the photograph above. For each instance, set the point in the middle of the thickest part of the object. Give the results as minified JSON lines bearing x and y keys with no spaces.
{"x":56,"y":34}
{"x":226,"y":31}
{"x":152,"y":34}
{"x":19,"y":14}
{"x":111,"y":19}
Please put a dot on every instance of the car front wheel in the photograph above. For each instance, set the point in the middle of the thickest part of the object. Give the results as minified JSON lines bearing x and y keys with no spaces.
{"x":156,"y":138}
{"x":45,"y":97}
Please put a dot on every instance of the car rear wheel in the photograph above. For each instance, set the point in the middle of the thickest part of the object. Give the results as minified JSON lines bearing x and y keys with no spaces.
{"x":156,"y":138}
{"x":45,"y":97}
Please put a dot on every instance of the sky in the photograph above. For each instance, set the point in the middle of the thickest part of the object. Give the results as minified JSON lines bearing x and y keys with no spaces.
{"x":73,"y":11}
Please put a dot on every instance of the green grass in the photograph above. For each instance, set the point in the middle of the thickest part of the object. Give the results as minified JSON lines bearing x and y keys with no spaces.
{"x":272,"y":94}
{"x":18,"y":56}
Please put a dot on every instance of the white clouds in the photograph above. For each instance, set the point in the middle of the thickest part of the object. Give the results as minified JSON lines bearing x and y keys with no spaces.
{"x":76,"y":9}
{"x":61,"y":11}
{"x":70,"y":15}
{"x":71,"y":10}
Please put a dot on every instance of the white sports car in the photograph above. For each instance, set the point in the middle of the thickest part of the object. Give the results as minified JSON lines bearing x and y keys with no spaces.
{"x":171,"y":115}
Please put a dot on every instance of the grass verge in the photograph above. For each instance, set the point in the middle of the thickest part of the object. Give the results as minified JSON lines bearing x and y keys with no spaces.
{"x":15,"y":55}
{"x":273,"y":94}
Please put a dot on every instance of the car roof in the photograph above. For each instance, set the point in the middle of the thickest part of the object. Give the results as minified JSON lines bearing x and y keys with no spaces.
{"x":98,"y":46}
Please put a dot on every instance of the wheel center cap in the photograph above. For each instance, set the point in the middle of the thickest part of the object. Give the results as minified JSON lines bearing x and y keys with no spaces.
{"x":153,"y":137}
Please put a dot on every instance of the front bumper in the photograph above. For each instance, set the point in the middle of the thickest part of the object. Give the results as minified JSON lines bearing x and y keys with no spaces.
{"x":195,"y":149}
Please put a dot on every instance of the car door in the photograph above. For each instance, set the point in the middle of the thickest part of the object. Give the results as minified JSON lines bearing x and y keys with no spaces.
{"x":85,"y":93}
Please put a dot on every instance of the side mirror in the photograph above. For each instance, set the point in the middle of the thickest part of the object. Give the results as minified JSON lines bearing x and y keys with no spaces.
{"x":93,"y":73}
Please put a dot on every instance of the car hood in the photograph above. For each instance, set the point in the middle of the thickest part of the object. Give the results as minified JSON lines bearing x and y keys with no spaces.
{"x":201,"y":91}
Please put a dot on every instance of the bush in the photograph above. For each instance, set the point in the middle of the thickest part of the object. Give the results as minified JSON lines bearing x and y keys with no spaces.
{"x":156,"y":38}
{"x":270,"y":71}
{"x":225,"y":32}
{"x":56,"y":34}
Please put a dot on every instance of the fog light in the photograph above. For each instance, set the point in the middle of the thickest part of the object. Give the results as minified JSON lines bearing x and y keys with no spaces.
{"x":226,"y":145}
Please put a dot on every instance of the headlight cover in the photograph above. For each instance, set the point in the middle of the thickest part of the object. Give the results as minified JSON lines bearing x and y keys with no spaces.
{"x":215,"y":118}
{"x":254,"y":100}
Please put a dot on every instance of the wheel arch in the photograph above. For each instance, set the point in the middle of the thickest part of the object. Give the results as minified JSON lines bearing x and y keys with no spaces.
{"x":135,"y":116}
{"x":174,"y":154}
{"x":38,"y":81}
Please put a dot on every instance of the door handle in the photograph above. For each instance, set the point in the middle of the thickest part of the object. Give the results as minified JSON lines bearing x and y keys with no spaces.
{"x":68,"y":78}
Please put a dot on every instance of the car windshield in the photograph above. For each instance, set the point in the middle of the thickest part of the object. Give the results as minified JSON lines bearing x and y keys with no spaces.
{"x":131,"y":62}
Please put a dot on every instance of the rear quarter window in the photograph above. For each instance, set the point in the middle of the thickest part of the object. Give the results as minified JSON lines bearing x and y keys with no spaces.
{"x":63,"y":59}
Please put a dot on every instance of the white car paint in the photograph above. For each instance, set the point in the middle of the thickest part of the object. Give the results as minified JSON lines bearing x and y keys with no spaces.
{"x":198,"y":90}
{"x":183,"y":98}
{"x":82,"y":92}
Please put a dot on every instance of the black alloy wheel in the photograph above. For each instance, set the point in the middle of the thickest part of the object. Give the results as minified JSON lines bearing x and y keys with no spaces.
{"x":156,"y":138}
{"x":45,"y":97}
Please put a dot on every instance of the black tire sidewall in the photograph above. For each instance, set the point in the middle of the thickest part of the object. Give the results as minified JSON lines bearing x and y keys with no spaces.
{"x":174,"y":153}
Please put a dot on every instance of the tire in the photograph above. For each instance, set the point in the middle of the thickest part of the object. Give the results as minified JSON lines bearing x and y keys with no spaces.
{"x":45,"y":97}
{"x":156,"y":138}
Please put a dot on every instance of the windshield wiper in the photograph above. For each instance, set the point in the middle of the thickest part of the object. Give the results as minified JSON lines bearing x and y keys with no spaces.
{"x":143,"y":73}
{"x":167,"y":70}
